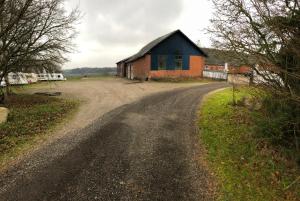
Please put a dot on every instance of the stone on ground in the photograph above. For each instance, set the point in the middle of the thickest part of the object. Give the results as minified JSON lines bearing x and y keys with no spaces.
{"x":3,"y":114}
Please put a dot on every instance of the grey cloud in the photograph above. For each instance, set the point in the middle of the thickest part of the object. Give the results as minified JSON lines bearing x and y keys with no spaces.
{"x":125,"y":22}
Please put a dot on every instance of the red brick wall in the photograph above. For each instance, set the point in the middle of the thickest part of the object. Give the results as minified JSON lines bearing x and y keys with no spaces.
{"x":141,"y":67}
{"x":195,"y":70}
{"x":214,"y":67}
{"x":244,"y":69}
{"x":241,"y":69}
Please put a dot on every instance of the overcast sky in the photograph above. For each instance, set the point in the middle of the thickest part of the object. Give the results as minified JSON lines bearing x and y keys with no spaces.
{"x":114,"y":29}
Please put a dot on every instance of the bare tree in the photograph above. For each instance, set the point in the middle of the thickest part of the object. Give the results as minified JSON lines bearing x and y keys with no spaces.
{"x":264,"y":34}
{"x":34,"y":34}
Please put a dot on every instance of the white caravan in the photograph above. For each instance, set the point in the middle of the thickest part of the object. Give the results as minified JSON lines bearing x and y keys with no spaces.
{"x":51,"y":77}
{"x":57,"y":77}
{"x":2,"y":84}
{"x":16,"y":79}
{"x":42,"y":77}
{"x":31,"y":77}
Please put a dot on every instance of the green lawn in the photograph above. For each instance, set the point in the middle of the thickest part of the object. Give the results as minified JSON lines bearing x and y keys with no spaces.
{"x":31,"y":116}
{"x":182,"y":80}
{"x":246,"y":167}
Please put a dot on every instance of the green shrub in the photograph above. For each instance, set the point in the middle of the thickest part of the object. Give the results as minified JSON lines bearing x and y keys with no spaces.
{"x":278,"y":121}
{"x":246,"y":166}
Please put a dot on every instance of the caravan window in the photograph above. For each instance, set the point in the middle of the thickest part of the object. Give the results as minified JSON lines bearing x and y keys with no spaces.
{"x":14,"y":77}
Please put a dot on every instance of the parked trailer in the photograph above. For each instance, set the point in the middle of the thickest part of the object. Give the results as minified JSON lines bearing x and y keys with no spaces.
{"x":51,"y":77}
{"x":2,"y":83}
{"x":31,"y":77}
{"x":15,"y":79}
{"x":43,"y":77}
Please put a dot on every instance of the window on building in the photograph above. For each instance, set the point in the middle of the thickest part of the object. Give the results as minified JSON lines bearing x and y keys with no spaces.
{"x":162,"y":62}
{"x":178,"y":62}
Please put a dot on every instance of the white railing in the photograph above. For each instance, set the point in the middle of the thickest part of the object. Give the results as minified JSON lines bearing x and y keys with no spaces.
{"x":220,"y":75}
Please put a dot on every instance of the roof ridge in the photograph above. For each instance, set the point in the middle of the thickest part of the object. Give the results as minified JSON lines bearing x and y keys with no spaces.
{"x":147,"y":48}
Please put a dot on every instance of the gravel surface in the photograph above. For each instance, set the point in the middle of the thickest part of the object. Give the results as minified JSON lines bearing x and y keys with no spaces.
{"x":146,"y":150}
{"x":103,"y":95}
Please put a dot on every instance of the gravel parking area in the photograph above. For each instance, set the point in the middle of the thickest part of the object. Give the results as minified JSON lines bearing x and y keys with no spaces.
{"x":145,"y":150}
{"x":102,"y":95}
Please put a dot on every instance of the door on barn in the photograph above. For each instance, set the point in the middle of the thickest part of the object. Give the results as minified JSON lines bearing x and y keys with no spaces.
{"x":130,"y":72}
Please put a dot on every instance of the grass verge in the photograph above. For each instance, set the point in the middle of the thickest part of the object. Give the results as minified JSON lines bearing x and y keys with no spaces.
{"x":246,"y":166}
{"x":183,"y":80}
{"x":31,"y":116}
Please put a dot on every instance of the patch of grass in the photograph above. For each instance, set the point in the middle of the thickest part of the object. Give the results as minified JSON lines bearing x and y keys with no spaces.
{"x":182,"y":79}
{"x":246,"y":166}
{"x":31,"y":116}
{"x":18,"y":89}
{"x":89,"y":77}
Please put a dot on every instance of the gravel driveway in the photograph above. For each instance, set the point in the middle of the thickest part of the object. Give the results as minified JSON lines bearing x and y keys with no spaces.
{"x":146,"y":150}
{"x":100,"y":96}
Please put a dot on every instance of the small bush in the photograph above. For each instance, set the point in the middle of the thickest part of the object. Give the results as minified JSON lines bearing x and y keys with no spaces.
{"x":279,"y":121}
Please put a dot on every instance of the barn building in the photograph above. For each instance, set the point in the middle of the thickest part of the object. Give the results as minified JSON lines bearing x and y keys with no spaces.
{"x":172,"y":55}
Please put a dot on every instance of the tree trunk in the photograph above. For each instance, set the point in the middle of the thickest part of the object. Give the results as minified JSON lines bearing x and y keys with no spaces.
{"x":7,"y":87}
{"x":2,"y":95}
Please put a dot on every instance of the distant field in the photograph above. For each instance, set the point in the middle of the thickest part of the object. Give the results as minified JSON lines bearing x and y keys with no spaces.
{"x":90,"y":72}
{"x":83,"y":77}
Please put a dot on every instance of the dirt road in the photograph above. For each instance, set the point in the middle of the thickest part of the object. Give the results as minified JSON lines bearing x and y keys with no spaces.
{"x":147,"y":150}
